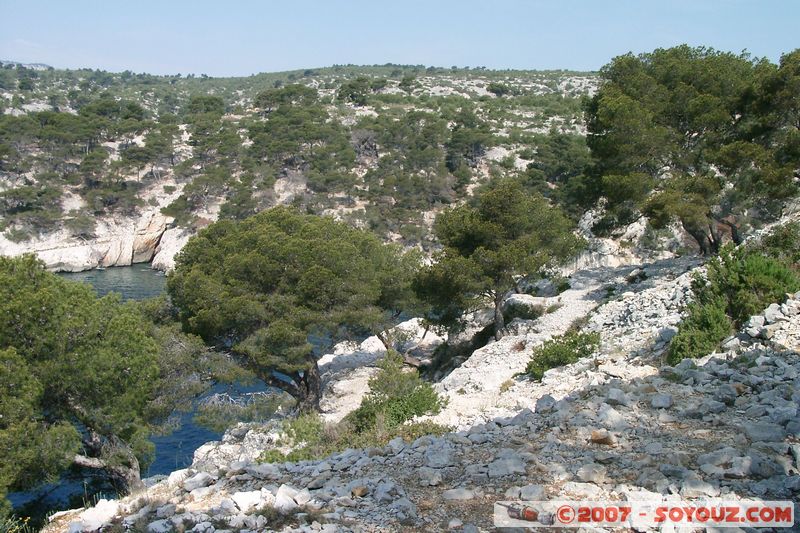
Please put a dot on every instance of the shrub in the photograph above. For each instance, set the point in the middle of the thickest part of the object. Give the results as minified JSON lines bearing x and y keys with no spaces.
{"x":396,"y":396}
{"x":81,"y":225}
{"x":701,"y":331}
{"x":527,"y":154}
{"x":560,"y":351}
{"x":738,"y":283}
{"x":783,"y":243}
{"x":747,"y":281}
{"x":525,"y":312}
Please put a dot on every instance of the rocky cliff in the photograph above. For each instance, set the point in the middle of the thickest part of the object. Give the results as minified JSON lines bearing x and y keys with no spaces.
{"x":119,"y":242}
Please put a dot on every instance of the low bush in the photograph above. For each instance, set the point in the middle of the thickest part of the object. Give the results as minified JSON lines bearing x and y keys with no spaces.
{"x":739,"y":283}
{"x":701,"y":331}
{"x":522,"y":311}
{"x":747,"y":281}
{"x":783,"y":243}
{"x":560,"y":351}
{"x":396,"y":396}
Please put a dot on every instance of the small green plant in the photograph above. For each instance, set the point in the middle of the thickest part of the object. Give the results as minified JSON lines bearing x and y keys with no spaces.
{"x":396,"y":396}
{"x":701,"y":331}
{"x":562,"y":284}
{"x":527,"y":154}
{"x":782,"y":243}
{"x":746,"y":281}
{"x":560,"y":351}
{"x":525,"y":312}
{"x":739,"y":283}
{"x":554,"y":307}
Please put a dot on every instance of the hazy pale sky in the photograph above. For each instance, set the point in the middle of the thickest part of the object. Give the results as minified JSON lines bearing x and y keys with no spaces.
{"x":241,"y":37}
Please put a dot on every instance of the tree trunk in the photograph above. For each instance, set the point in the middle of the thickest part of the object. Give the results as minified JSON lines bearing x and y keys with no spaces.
{"x":310,"y":389}
{"x":700,"y":237}
{"x":736,"y":236}
{"x":715,"y":239}
{"x":499,"y":320}
{"x":125,"y":474}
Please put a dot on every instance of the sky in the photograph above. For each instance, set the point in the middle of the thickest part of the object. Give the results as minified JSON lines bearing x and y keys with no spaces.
{"x":242,"y":37}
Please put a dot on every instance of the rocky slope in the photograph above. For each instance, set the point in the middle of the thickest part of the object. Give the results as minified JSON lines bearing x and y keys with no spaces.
{"x":617,"y":425}
{"x":142,"y":234}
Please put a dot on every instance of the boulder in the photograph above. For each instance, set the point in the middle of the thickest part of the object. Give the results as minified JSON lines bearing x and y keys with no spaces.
{"x":764,"y":431}
{"x":661,"y":401}
{"x":284,"y":499}
{"x":201,"y":479}
{"x":247,"y":501}
{"x":96,"y":517}
{"x":458,"y":494}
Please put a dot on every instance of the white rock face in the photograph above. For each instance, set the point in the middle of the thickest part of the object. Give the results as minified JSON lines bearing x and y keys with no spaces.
{"x":149,"y":231}
{"x":172,"y":241}
{"x":118,"y":242}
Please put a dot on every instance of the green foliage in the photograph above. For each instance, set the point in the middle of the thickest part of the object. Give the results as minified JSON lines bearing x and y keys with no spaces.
{"x":88,"y":376}
{"x":396,"y":396}
{"x":266,"y":286}
{"x":28,"y":210}
{"x":559,"y":157}
{"x":739,"y":283}
{"x":704,"y":327}
{"x":81,"y":225}
{"x":205,"y":105}
{"x":498,"y":89}
{"x":508,"y":233}
{"x":426,"y":158}
{"x":709,"y":126}
{"x":782,"y":243}
{"x":522,"y":311}
{"x":69,"y":360}
{"x":746,"y":281}
{"x":562,"y":350}
{"x":469,"y":140}
{"x":355,"y":90}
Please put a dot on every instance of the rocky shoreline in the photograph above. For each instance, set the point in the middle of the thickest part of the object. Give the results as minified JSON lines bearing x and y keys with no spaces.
{"x":619,"y":425}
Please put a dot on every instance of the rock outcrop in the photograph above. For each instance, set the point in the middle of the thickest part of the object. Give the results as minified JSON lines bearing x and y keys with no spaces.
{"x":118,"y":242}
{"x":171,"y":242}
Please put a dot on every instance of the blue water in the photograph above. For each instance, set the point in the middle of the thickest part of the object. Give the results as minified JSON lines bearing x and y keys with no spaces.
{"x":135,"y":282}
{"x":172,"y":451}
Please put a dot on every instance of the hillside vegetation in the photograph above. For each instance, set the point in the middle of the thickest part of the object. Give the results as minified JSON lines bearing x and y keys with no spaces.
{"x":461,"y":198}
{"x":382,"y":147}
